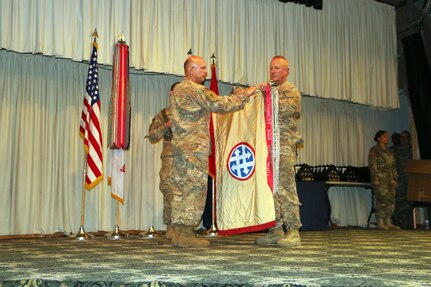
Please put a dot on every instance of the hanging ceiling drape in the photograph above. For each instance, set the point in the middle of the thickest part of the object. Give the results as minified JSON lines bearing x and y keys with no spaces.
{"x":345,"y":51}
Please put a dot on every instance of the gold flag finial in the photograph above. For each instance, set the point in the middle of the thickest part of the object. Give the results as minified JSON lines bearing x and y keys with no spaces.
{"x":95,"y":35}
{"x":213,"y":59}
{"x":121,"y":38}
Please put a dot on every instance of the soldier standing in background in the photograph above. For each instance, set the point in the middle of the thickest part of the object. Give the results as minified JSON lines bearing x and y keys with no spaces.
{"x":161,"y":128}
{"x":395,"y":138}
{"x":286,"y":200}
{"x":403,"y":214}
{"x":191,"y":106}
{"x":381,"y":163}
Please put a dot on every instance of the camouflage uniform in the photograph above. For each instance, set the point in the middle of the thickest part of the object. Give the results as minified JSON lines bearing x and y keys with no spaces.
{"x":286,"y":201}
{"x":157,"y":131}
{"x":403,"y":213}
{"x":191,"y":105}
{"x":381,"y":163}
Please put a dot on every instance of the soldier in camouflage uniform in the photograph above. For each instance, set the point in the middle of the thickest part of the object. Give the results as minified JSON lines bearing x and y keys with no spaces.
{"x":161,"y":128}
{"x":381,"y":163}
{"x":395,"y":138}
{"x":403,"y":214}
{"x":191,"y":105}
{"x":286,"y":200}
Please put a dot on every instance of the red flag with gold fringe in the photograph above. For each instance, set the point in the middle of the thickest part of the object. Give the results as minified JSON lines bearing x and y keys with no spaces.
{"x":119,"y":119}
{"x":119,"y":129}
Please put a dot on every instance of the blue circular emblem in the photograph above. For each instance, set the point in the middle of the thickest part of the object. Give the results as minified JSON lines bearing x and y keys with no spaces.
{"x":241,"y":161}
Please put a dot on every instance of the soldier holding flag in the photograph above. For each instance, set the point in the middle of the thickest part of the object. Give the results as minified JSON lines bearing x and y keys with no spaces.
{"x":286,"y":200}
{"x":191,"y":106}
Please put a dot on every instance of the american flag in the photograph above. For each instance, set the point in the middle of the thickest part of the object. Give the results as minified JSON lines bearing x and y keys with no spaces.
{"x":90,"y":129}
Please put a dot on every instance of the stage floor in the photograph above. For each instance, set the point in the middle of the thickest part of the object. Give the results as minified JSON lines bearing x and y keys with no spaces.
{"x":337,"y":257}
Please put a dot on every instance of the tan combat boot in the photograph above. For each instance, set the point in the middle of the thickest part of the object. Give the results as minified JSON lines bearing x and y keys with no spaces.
{"x":381,"y":225}
{"x":389,"y":224}
{"x":291,"y":239}
{"x":177,"y":231}
{"x":271,"y":237}
{"x":186,"y":238}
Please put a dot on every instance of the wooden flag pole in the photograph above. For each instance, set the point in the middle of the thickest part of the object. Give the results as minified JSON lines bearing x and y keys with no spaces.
{"x":117,"y":233}
{"x":82,"y":235}
{"x":212,"y":232}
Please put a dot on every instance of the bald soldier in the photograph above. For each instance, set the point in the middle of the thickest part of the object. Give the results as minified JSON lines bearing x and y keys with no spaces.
{"x":191,"y":106}
{"x":286,"y":200}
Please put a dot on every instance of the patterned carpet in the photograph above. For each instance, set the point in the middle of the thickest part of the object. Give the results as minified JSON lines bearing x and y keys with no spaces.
{"x":338,"y":257}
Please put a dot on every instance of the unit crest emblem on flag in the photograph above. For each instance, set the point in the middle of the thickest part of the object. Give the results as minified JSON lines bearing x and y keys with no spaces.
{"x":241,"y":161}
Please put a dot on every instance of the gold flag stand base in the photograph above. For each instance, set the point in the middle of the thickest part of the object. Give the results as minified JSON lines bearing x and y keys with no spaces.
{"x":212,"y":232}
{"x":82,"y":235}
{"x":150,"y":234}
{"x":117,"y":234}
